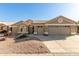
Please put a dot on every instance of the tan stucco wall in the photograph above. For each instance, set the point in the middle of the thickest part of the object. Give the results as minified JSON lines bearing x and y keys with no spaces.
{"x":35,"y":29}
{"x":45,"y":29}
{"x":28,"y":23}
{"x":14,"y":29}
{"x":64,"y":22}
{"x":73,"y":29}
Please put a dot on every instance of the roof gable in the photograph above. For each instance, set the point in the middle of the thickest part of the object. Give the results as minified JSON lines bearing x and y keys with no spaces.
{"x":61,"y":20}
{"x":17,"y":23}
{"x":28,"y":22}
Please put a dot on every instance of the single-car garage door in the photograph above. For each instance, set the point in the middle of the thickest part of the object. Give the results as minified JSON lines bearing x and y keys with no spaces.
{"x":59,"y":30}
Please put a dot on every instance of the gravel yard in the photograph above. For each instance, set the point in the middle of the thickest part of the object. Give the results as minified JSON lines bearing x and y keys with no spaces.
{"x":9,"y":46}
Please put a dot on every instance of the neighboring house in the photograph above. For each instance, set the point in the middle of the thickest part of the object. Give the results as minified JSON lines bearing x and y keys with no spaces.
{"x":3,"y":26}
{"x":58,"y":25}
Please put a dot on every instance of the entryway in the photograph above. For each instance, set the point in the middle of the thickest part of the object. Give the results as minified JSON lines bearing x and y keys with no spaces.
{"x":30,"y":29}
{"x":40,"y":30}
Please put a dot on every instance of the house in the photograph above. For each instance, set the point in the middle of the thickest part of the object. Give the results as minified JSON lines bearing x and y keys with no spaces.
{"x":58,"y":25}
{"x":61,"y":25}
{"x":3,"y":26}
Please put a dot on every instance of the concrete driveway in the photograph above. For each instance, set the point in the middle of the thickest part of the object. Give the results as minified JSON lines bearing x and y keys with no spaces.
{"x":61,"y":44}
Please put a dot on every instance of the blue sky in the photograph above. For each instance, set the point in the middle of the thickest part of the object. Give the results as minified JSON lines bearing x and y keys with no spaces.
{"x":40,"y":11}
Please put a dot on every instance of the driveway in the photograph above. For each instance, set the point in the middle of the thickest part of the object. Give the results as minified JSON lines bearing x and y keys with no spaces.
{"x":61,"y":44}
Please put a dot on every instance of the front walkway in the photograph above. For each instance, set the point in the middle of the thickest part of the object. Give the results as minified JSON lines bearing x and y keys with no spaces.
{"x":61,"y":44}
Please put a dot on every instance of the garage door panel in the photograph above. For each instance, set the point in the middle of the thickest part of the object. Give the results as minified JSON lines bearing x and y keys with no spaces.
{"x":58,"y":30}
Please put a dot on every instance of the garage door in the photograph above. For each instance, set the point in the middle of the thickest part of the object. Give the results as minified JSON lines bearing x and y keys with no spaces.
{"x":59,"y":30}
{"x":40,"y":30}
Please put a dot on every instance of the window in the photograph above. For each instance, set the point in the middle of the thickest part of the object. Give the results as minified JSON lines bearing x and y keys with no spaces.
{"x":39,"y":26}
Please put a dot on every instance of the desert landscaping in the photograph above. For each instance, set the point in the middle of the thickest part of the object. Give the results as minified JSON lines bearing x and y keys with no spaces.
{"x":29,"y":45}
{"x":40,"y":45}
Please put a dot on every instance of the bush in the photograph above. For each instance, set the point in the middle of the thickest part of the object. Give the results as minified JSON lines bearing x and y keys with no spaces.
{"x":3,"y":31}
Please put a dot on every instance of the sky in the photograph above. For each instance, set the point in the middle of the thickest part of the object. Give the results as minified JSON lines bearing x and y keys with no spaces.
{"x":12,"y":12}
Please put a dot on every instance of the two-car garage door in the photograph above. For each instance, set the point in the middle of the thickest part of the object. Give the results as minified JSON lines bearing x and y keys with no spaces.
{"x":59,"y":30}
